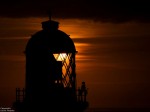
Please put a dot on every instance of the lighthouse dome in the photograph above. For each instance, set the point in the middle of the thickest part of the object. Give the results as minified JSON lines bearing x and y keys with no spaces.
{"x":51,"y":38}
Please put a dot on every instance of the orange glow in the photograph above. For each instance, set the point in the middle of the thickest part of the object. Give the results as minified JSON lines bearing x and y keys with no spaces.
{"x":65,"y":58}
{"x":81,"y":48}
{"x":79,"y":28}
{"x":113,"y":59}
{"x":60,"y":57}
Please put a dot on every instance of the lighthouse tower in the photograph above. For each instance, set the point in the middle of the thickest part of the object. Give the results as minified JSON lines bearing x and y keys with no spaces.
{"x":50,"y":83}
{"x":50,"y":69}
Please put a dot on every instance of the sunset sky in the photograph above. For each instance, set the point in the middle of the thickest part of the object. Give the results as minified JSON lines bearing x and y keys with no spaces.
{"x":112,"y":39}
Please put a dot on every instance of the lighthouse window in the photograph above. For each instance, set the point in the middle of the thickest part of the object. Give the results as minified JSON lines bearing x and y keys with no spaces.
{"x":60,"y":57}
{"x":66,"y":59}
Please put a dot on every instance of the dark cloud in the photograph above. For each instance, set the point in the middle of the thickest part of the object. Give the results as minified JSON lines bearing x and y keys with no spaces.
{"x":104,"y":10}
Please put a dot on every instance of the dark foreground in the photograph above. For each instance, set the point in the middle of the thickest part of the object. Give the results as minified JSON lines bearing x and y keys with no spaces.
{"x":118,"y":110}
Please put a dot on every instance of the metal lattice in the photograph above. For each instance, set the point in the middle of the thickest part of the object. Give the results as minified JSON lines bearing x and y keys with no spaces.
{"x":67,"y":66}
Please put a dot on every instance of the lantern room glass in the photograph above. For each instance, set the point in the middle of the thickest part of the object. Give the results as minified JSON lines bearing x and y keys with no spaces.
{"x":67,"y":66}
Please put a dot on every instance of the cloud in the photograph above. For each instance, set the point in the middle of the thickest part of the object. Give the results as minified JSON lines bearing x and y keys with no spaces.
{"x":99,"y":10}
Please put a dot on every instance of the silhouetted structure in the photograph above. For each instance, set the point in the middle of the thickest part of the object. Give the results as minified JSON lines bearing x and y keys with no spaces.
{"x":82,"y":93}
{"x":50,"y":72}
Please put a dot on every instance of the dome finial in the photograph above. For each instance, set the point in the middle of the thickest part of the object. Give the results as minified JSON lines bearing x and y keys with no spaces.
{"x":50,"y":15}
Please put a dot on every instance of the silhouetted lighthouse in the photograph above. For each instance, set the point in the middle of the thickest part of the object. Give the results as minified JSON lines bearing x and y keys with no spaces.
{"x":50,"y":72}
{"x":50,"y":68}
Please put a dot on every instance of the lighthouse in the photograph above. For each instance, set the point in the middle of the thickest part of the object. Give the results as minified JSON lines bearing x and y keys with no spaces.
{"x":50,"y":82}
{"x":50,"y":69}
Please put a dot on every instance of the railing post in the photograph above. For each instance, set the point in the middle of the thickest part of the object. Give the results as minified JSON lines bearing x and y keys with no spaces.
{"x":23,"y":93}
{"x":16,"y":94}
{"x":19,"y":94}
